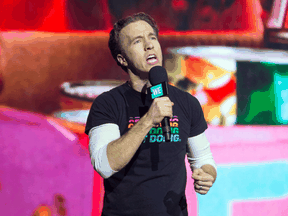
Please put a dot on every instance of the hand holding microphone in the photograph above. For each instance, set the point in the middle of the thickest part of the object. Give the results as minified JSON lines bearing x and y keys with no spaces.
{"x":161,"y":108}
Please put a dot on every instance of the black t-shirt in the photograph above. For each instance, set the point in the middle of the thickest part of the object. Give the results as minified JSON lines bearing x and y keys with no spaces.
{"x":154,"y":181}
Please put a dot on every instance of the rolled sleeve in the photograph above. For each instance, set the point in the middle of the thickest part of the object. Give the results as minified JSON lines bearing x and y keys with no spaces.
{"x":99,"y":138}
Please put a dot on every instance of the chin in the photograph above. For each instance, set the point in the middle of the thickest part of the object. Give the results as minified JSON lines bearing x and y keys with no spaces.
{"x":157,"y":64}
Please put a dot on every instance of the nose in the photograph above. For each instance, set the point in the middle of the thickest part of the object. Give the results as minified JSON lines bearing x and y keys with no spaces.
{"x":148,"y":45}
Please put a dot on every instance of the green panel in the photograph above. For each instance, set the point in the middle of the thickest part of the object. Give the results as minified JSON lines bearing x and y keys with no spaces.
{"x":281,"y":95}
{"x":256,"y":93}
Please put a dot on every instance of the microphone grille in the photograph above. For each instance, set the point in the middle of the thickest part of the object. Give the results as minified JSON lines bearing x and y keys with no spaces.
{"x":157,"y":75}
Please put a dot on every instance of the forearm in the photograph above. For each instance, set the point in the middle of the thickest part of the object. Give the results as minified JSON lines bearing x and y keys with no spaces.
{"x":199,"y":152}
{"x":121,"y":151}
{"x":207,"y":168}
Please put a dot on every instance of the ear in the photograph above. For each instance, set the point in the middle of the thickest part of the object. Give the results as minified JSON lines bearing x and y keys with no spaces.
{"x":122,"y":60}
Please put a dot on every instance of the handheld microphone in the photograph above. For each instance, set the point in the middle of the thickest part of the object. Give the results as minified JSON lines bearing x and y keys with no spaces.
{"x":159,"y":80}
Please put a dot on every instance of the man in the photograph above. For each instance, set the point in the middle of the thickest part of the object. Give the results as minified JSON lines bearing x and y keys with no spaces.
{"x":143,"y":175}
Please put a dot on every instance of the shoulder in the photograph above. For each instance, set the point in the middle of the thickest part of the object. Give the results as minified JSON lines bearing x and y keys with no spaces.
{"x":176,"y":91}
{"x":112,"y":96}
{"x":108,"y":107}
{"x":189,"y":105}
{"x":182,"y":96}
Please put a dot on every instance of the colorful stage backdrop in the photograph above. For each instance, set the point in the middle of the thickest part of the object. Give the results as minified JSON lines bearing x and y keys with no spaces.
{"x":230,"y":54}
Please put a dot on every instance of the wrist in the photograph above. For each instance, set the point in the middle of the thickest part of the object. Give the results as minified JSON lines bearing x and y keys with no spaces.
{"x":147,"y":121}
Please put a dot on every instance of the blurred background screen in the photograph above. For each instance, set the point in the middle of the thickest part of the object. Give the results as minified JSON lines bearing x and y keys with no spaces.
{"x":232,"y":55}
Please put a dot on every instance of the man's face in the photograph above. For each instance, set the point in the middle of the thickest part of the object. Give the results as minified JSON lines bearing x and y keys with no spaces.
{"x":141,"y":49}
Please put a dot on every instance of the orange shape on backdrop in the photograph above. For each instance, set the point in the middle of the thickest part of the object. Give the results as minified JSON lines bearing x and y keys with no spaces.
{"x":219,"y":94}
{"x":42,"y":210}
{"x":199,"y":70}
{"x":216,"y":89}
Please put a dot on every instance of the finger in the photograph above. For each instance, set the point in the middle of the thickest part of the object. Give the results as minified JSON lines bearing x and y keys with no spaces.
{"x":203,"y":183}
{"x":164,"y":105}
{"x":165,"y":98}
{"x":168,"y":105}
{"x":202,"y":177}
{"x":201,"y":189}
{"x":202,"y":192}
{"x":197,"y":187}
{"x":196,"y":176}
{"x":207,"y":178}
{"x":197,"y":172}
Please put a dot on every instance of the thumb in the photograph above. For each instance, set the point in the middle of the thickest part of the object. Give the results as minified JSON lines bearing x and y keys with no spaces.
{"x":197,"y":173}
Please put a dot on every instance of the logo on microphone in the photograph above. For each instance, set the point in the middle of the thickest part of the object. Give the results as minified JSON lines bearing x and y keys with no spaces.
{"x":156,"y":91}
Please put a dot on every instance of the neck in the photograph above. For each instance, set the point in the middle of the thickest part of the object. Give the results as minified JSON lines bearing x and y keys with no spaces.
{"x":137,"y":83}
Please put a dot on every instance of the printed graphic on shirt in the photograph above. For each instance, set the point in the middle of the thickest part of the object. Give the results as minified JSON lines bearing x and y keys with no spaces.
{"x":155,"y":134}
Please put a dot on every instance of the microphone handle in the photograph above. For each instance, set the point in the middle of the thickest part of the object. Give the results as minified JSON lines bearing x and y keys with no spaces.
{"x":166,"y":129}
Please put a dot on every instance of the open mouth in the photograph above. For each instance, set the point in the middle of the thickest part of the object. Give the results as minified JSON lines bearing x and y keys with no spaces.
{"x":152,"y":59}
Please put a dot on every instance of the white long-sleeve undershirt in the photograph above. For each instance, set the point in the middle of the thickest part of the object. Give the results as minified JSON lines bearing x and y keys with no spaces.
{"x":198,"y":154}
{"x":99,"y":138}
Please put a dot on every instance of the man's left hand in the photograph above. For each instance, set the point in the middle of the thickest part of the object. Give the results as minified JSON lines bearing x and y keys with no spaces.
{"x":202,"y":181}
